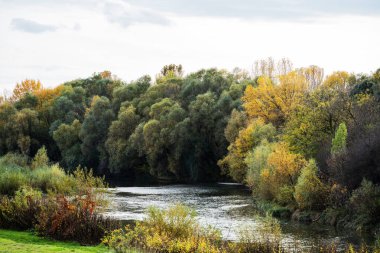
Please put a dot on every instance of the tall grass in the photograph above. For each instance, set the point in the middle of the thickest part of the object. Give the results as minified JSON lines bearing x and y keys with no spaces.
{"x":16,"y":173}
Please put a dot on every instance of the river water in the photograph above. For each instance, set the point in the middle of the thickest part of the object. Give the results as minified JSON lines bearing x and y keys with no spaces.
{"x":227,"y":207}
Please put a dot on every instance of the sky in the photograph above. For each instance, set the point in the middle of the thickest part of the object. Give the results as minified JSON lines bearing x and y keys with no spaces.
{"x":61,"y":40}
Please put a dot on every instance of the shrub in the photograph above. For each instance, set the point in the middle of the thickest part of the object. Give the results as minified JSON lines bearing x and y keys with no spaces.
{"x":11,"y":181}
{"x":171,"y":230}
{"x":75,"y":219}
{"x":338,"y":196}
{"x":365,"y":204}
{"x":310,"y":192}
{"x":51,"y":178}
{"x":285,"y":195}
{"x":20,"y":211}
{"x":40,"y":159}
{"x":13,"y":160}
{"x":339,"y":141}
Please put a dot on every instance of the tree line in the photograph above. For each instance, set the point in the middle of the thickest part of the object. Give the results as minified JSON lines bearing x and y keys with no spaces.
{"x":171,"y":129}
{"x":309,"y":142}
{"x":262,"y":129}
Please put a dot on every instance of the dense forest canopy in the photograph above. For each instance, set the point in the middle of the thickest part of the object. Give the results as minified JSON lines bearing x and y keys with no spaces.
{"x":172,"y":129}
{"x":276,"y":127}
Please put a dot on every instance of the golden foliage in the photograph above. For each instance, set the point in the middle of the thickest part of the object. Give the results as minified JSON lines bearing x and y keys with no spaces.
{"x":286,"y":165}
{"x":234,"y":161}
{"x":26,"y":86}
{"x":106,"y":74}
{"x":273,"y":102}
{"x":337,"y":80}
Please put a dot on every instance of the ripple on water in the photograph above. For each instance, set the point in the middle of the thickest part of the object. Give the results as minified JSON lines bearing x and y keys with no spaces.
{"x":225,"y":206}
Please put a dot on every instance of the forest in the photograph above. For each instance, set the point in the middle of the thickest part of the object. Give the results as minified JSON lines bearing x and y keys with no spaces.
{"x":297,"y":138}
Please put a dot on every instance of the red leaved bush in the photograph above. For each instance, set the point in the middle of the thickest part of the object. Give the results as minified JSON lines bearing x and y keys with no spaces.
{"x":76,"y":218}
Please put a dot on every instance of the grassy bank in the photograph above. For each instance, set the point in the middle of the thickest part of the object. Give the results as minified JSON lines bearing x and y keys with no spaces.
{"x":20,"y":242}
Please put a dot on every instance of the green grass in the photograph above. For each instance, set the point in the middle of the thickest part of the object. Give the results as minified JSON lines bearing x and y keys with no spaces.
{"x":23,"y":242}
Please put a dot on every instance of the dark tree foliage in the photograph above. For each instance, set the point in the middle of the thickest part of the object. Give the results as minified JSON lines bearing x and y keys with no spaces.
{"x":171,"y":130}
{"x":361,"y":160}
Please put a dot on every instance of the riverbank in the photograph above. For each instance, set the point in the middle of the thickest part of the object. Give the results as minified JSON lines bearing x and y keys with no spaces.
{"x":338,"y":218}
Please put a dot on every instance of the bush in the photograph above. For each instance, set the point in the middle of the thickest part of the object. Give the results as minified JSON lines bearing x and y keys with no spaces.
{"x":40,"y":159}
{"x":310,"y":193}
{"x":11,"y":181}
{"x":20,"y":211}
{"x":365,"y":204}
{"x":50,"y":179}
{"x":285,"y":195}
{"x":338,"y":196}
{"x":67,"y":218}
{"x":75,"y":219}
{"x":13,"y":160}
{"x":171,"y":230}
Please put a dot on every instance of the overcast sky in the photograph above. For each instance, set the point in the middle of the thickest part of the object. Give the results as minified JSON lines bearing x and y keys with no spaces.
{"x":57,"y":41}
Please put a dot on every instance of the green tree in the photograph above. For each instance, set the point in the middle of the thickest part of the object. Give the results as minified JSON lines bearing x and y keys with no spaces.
{"x":93,"y":133}
{"x":41,"y":159}
{"x":117,"y":143}
{"x":69,"y":143}
{"x":339,"y":142}
{"x":310,"y":192}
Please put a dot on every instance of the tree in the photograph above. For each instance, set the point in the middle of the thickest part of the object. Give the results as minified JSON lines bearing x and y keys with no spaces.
{"x":93,"y":133}
{"x":67,"y":139}
{"x":172,"y":70}
{"x":312,"y":123}
{"x":310,"y":193}
{"x":337,"y":80}
{"x":26,"y":86}
{"x":130,"y":93}
{"x":248,"y":138}
{"x":339,"y":142}
{"x":23,"y":128}
{"x":163,"y":147}
{"x":118,"y":139}
{"x":68,"y":107}
{"x":313,"y":75}
{"x":273,"y":102}
{"x":237,"y":122}
{"x":257,"y":162}
{"x":286,"y":166}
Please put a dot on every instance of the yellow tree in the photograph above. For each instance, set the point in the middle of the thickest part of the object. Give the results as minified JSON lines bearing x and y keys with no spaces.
{"x":284,"y":167}
{"x":271,"y":102}
{"x":234,"y":163}
{"x":337,"y":80}
{"x":285,"y":164}
{"x":26,"y":86}
{"x":106,"y":74}
{"x":45,"y":99}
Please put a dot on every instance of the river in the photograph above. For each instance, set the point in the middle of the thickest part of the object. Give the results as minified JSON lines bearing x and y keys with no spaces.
{"x":225,"y":206}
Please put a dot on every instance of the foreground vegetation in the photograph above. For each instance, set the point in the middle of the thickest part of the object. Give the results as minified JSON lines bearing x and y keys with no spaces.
{"x":37,"y":195}
{"x":23,"y":242}
{"x":177,"y":230}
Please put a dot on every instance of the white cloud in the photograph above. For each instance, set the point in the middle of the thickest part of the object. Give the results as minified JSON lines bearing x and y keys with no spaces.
{"x":126,"y":14}
{"x":30,"y":26}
